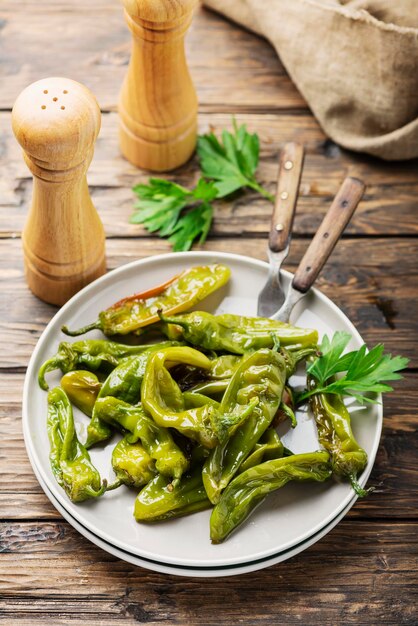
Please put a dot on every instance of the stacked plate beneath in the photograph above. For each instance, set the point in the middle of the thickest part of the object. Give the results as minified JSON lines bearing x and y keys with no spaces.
{"x":288,"y":521}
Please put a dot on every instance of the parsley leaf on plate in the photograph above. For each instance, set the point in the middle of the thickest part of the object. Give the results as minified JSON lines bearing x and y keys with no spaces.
{"x":365,"y":371}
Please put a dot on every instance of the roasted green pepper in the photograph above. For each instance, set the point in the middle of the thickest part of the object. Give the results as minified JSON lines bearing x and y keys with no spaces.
{"x":82,"y":388}
{"x":348,"y":459}
{"x":92,"y":354}
{"x":205,"y":424}
{"x":239,"y":335}
{"x":268,"y":447}
{"x":70,"y":461}
{"x":157,"y":441}
{"x":124,"y":382}
{"x":250,"y":488}
{"x":132,"y":464}
{"x":178,"y":294}
{"x":261,"y":375}
{"x":211,"y":387}
{"x":157,"y":394}
{"x":220,"y":372}
{"x":160,"y":501}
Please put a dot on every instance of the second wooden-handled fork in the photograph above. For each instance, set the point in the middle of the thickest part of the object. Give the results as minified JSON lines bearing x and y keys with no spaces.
{"x":272,"y":301}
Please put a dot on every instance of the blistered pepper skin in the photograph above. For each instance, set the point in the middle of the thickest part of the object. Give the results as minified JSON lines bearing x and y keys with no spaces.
{"x":82,"y":388}
{"x":124,"y":382}
{"x":238,"y":334}
{"x":262,"y":375}
{"x":131,"y":463}
{"x":250,"y":488}
{"x":70,"y":461}
{"x":157,"y":441}
{"x":158,"y":393}
{"x":91,"y":354}
{"x":178,"y":294}
{"x":158,"y":501}
{"x":348,"y":459}
{"x":267,"y":448}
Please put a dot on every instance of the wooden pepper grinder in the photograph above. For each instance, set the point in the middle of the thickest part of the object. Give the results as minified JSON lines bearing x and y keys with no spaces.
{"x":56,"y":121}
{"x":158,"y":103}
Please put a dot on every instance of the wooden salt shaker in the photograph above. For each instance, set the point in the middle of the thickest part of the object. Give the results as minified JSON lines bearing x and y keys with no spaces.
{"x":56,"y":121}
{"x":158,"y":104}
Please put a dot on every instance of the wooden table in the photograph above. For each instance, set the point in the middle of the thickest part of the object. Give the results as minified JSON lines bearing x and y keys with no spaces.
{"x":364,"y":571}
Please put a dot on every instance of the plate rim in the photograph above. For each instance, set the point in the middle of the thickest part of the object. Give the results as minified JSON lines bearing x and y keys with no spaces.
{"x":108,"y":278}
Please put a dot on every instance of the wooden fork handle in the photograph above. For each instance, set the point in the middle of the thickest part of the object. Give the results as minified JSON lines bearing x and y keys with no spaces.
{"x":290,"y":171}
{"x":328,"y":233}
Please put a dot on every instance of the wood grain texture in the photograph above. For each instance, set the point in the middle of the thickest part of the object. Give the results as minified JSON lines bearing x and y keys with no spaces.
{"x":389,"y":206}
{"x":158,"y":102}
{"x":81,"y":581}
{"x":56,"y":121}
{"x":329,"y":232}
{"x":287,"y":191}
{"x":230,"y":68}
{"x":365,"y":570}
{"x":377,"y":291}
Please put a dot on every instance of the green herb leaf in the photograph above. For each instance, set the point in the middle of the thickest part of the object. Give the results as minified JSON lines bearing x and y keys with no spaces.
{"x":365,"y":371}
{"x":232,"y":163}
{"x":183,"y":215}
{"x":160,"y":209}
{"x":194,"y":224}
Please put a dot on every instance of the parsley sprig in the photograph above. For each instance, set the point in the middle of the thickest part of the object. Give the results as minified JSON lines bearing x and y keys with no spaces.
{"x":360,"y":372}
{"x":232,"y":162}
{"x":185,"y":215}
{"x":160,"y":209}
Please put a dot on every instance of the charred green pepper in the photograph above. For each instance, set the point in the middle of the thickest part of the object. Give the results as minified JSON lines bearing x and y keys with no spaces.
{"x":132,"y":464}
{"x":250,"y":488}
{"x":158,"y":392}
{"x":157,"y":441}
{"x":267,"y":448}
{"x":92,"y":354}
{"x":178,"y":294}
{"x":124,"y":382}
{"x":348,"y":459}
{"x":261,"y":375}
{"x":239,"y":335}
{"x":82,"y":388}
{"x":159,"y":501}
{"x":70,"y":461}
{"x":205,"y":424}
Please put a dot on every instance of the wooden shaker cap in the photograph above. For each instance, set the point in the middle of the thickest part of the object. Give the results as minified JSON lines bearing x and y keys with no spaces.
{"x":56,"y":121}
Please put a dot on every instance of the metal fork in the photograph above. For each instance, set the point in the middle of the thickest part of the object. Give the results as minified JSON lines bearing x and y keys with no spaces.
{"x":272,"y":295}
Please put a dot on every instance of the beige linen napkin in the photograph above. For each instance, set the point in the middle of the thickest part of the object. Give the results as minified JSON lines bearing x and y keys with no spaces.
{"x":354,"y":61}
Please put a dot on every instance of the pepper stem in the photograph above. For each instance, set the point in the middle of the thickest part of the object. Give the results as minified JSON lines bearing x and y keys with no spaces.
{"x":81,"y":331}
{"x":48,"y":366}
{"x":116,"y":483}
{"x":289,"y":413}
{"x":92,"y":493}
{"x":362,"y":493}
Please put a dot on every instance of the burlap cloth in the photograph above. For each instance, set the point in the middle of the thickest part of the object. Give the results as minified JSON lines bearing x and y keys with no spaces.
{"x":354,"y":61}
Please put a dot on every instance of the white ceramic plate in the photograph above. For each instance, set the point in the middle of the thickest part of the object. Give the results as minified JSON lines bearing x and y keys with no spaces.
{"x":195,"y":572}
{"x":287,"y":518}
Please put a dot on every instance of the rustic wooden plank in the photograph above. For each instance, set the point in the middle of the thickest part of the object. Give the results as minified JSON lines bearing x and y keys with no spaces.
{"x":388,"y":207}
{"x":363,"y":574}
{"x":374,"y":283}
{"x":232,"y":69}
{"x":395,"y":475}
